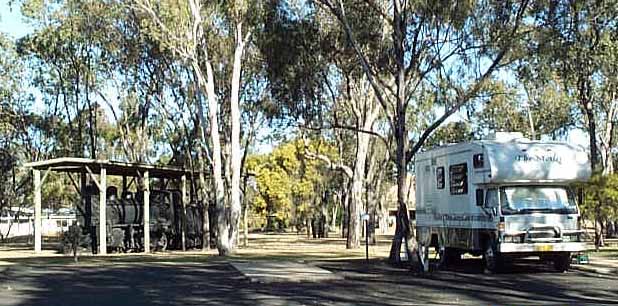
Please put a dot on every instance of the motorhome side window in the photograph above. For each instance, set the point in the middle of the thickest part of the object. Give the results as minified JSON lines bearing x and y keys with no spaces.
{"x":458,"y":175}
{"x":440,"y":177}
{"x":477,"y":161}
{"x":491,"y":200}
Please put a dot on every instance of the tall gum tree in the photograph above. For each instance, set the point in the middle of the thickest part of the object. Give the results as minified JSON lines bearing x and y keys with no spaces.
{"x":315,"y":77}
{"x":577,"y":40}
{"x":361,"y":101}
{"x":197,"y":32}
{"x":442,"y":47}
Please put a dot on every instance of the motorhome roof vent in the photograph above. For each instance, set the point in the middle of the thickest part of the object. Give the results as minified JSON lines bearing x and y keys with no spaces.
{"x":506,"y":136}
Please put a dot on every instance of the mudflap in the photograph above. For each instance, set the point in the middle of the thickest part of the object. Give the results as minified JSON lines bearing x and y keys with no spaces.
{"x":423,"y":240}
{"x":423,"y":258}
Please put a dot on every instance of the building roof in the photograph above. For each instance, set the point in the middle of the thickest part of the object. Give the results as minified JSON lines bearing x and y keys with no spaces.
{"x":74,"y":164}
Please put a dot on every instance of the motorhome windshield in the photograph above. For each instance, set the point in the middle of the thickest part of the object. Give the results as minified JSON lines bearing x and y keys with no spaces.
{"x":528,"y":199}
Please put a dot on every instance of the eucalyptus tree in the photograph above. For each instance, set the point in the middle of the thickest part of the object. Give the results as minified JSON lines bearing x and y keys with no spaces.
{"x":577,"y":40}
{"x":442,"y":49}
{"x":65,"y":54}
{"x":378,"y":180}
{"x":452,"y":132}
{"x":135,"y":83}
{"x":16,"y":127}
{"x":502,"y":111}
{"x":290,"y":187}
{"x":548,"y":107}
{"x":210,"y":38}
{"x":315,"y":78}
{"x":25,"y":135}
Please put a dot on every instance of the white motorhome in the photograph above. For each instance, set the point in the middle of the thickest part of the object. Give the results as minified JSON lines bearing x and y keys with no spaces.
{"x":500,"y":198}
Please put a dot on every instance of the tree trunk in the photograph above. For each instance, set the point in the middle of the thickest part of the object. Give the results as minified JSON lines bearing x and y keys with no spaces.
{"x":336,"y":204}
{"x":214,"y":133}
{"x":607,"y":139}
{"x":598,"y":231}
{"x":592,"y":139}
{"x":356,"y":203}
{"x":325,"y":217}
{"x":588,"y":109}
{"x":308,"y":226}
{"x":375,"y":176}
{"x":402,"y":231}
{"x":345,"y":220}
{"x":204,"y":202}
{"x":345,"y":200}
{"x":235,"y":205}
{"x":223,"y":245}
{"x":245,"y":226}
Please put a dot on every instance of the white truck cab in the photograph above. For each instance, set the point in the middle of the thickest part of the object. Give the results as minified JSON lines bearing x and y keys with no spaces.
{"x":500,"y":198}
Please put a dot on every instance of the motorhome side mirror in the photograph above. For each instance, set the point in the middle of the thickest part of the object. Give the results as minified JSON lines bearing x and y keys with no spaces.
{"x":480,"y":197}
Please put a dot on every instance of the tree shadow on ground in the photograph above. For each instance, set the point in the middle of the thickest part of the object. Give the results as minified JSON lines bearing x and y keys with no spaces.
{"x":189,"y":284}
{"x":521,"y":283}
{"x":215,"y":282}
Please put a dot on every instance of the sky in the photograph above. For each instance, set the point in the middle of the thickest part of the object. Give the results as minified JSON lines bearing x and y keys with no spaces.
{"x":12,"y":23}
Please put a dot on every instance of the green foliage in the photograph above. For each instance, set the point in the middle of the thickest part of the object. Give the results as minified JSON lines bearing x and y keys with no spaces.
{"x":18,"y":126}
{"x":288,"y":183}
{"x":452,"y":132}
{"x":58,"y":191}
{"x":600,"y":197}
{"x":503,"y":111}
{"x":86,"y":57}
{"x":294,"y":52}
{"x":571,"y":44}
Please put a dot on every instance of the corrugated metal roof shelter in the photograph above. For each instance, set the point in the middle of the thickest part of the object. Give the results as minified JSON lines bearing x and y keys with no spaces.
{"x":78,"y":165}
{"x":102,"y":168}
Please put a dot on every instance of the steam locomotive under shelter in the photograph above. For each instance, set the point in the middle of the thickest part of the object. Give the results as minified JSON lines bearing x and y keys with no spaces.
{"x":135,"y":217}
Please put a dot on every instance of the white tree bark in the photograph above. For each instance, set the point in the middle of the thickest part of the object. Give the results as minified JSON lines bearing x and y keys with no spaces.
{"x":235,"y":205}
{"x":186,"y":45}
{"x":356,"y":204}
{"x":607,"y":138}
{"x":223,"y":241}
{"x":217,"y":175}
{"x":366,"y":111}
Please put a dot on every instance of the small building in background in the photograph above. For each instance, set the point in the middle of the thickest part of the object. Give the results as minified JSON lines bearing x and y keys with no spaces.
{"x":389,"y":211}
{"x":19,"y":222}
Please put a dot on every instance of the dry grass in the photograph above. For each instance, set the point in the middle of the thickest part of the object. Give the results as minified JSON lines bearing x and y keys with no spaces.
{"x":276,"y":246}
{"x":300,"y":247}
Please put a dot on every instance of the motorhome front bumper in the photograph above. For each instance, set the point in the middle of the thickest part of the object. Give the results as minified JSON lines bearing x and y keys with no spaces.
{"x":541,"y":247}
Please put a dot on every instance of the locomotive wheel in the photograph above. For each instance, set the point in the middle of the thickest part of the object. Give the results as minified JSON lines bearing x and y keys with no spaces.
{"x":163,"y":242}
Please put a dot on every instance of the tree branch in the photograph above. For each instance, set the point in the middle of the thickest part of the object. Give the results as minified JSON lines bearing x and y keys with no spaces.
{"x":333,"y":166}
{"x":337,"y":126}
{"x":464,"y":98}
{"x":340,"y":15}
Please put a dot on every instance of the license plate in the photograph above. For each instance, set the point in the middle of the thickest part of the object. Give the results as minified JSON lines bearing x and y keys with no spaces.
{"x":544,"y":248}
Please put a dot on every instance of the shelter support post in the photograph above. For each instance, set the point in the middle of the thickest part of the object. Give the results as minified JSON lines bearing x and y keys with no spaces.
{"x":38,"y":218}
{"x":146,"y":212}
{"x":86,"y":201}
{"x":37,"y":211}
{"x":102,"y":210}
{"x":183,"y":223}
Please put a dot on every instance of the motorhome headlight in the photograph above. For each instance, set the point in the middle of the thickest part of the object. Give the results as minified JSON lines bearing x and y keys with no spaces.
{"x":570,"y":237}
{"x":512,"y":238}
{"x":567,"y":238}
{"x":501,"y":226}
